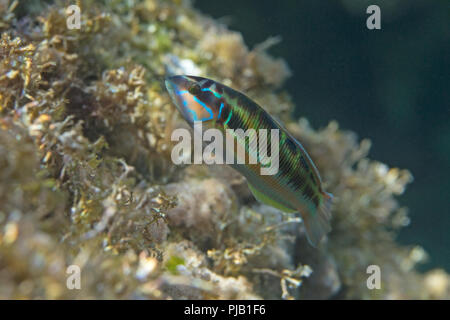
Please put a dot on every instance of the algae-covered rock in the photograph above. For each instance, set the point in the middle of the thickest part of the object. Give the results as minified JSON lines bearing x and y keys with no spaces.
{"x":86,"y":178}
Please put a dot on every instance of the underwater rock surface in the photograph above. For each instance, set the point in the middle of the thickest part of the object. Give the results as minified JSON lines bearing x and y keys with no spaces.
{"x":86,"y":177}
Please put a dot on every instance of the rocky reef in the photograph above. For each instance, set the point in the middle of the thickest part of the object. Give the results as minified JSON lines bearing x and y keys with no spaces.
{"x":86,"y":177}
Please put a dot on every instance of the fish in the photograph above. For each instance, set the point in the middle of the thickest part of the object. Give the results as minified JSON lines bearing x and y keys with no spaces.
{"x":295,"y":187}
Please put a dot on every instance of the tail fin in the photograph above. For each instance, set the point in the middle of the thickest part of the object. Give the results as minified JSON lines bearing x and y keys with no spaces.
{"x":317,"y":223}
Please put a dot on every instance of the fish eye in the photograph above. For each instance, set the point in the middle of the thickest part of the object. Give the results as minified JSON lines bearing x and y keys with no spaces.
{"x":194,"y":89}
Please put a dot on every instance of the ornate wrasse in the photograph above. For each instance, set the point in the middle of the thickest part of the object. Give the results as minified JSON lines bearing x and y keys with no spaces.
{"x":295,"y":187}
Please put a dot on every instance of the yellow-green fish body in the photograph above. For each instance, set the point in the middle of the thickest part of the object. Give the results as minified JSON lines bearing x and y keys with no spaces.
{"x":295,"y":187}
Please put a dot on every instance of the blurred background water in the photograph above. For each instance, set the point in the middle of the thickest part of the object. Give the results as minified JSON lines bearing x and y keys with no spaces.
{"x":390,"y":85}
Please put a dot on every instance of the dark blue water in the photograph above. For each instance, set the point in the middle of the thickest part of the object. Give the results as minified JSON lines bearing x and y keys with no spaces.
{"x":390,"y":85}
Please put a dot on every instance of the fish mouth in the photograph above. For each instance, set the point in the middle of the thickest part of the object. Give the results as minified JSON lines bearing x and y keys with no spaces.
{"x":170,"y":85}
{"x":177,"y":82}
{"x":181,"y":82}
{"x":174,"y":85}
{"x":177,"y":87}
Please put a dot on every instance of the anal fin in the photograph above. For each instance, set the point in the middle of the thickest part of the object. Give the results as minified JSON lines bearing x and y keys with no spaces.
{"x":268,"y":201}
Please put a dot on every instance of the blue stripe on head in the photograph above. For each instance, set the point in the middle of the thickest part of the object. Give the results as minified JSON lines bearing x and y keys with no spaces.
{"x":220,"y":110}
{"x":206,"y":108}
{"x":216,"y":94}
{"x":211,"y":115}
{"x":185,"y":104}
{"x":193,"y":112}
